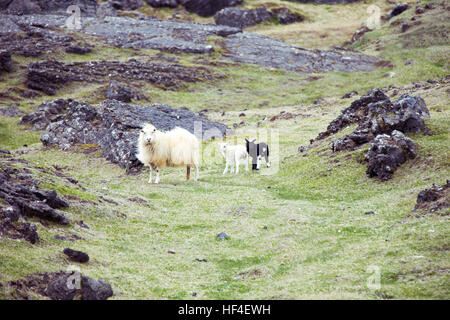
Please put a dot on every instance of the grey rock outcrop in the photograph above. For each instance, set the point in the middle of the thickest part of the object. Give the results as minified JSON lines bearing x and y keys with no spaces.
{"x":114,"y":126}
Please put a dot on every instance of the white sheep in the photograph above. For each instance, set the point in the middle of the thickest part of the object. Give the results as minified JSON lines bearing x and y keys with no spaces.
{"x":175,"y":148}
{"x":234,"y":155}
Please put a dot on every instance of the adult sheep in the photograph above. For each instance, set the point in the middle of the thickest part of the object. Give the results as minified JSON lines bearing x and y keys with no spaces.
{"x":175,"y":148}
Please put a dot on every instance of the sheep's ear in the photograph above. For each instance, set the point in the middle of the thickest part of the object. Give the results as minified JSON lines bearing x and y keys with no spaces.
{"x":246,"y":140}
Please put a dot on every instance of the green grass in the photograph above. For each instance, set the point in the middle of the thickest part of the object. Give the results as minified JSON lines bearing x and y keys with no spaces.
{"x":299,"y":233}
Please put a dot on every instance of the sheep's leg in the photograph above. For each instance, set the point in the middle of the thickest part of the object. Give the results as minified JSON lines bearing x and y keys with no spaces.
{"x":246,"y":162}
{"x":267,"y":161}
{"x":157,"y":175}
{"x":196,"y":171}
{"x":232,"y":167}
{"x":151,"y":171}
{"x":188,"y":172}
{"x":258,"y":160}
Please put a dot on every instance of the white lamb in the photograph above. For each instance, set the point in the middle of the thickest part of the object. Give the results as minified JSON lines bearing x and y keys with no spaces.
{"x":234,"y":155}
{"x":175,"y":148}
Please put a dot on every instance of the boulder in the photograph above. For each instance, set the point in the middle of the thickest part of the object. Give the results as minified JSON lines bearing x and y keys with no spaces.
{"x":106,"y":9}
{"x":62,"y":288}
{"x":163,"y":3}
{"x":19,"y":7}
{"x":23,"y":7}
{"x":6,"y":63}
{"x":207,"y":8}
{"x":376,"y":114}
{"x":126,"y":4}
{"x":325,"y":1}
{"x":68,"y":286}
{"x":114,"y":126}
{"x":242,"y":18}
{"x":387,"y":153}
{"x":119,"y":92}
{"x":75,"y":255}
{"x":434,"y":198}
{"x":46,"y":113}
{"x":4,"y":4}
{"x":92,"y":289}
{"x":286,"y":16}
{"x":30,"y":201}
{"x":398,"y":9}
{"x":78,"y":49}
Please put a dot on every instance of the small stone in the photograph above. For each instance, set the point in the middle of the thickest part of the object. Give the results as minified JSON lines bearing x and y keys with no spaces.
{"x":222,"y":236}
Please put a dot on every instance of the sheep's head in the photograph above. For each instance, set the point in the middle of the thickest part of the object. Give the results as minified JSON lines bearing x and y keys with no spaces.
{"x":147,"y":133}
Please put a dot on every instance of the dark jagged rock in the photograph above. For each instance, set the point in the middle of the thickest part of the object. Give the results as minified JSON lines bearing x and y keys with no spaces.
{"x":398,"y":9}
{"x":242,"y":18}
{"x":4,"y":4}
{"x":78,"y":49}
{"x":286,"y":16}
{"x":357,"y":112}
{"x":92,"y":289}
{"x":114,"y":126}
{"x":68,"y":286}
{"x":207,"y":8}
{"x":6,"y":63}
{"x":29,"y":38}
{"x":46,"y":113}
{"x":376,"y":114}
{"x":325,"y":1}
{"x":11,"y":227}
{"x":77,"y":256}
{"x":387,"y":153}
{"x":20,"y":7}
{"x":62,"y":287}
{"x":30,"y":201}
{"x":434,"y":198}
{"x":116,"y":91}
{"x":49,"y":75}
{"x":106,"y":9}
{"x":349,"y":94}
{"x":126,"y":4}
{"x":163,"y":3}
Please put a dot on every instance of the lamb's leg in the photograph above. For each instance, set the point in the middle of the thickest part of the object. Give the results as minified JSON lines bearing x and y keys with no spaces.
{"x":258,"y":160}
{"x":232,"y":167}
{"x":151,"y":171}
{"x":188,"y":172}
{"x":226,"y":167}
{"x":236,"y":161}
{"x":246,"y":162}
{"x":157,"y":175}
{"x":267,"y":161}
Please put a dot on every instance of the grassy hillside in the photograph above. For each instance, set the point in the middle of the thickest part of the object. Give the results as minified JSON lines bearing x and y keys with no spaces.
{"x":298,"y":230}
